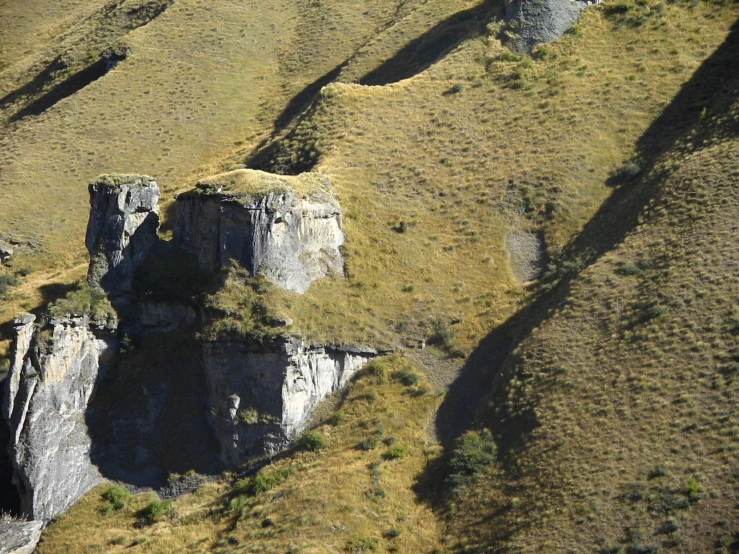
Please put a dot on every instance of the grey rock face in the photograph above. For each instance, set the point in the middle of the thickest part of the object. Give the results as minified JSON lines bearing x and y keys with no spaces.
{"x":261,"y":398}
{"x":6,"y":251}
{"x":122,"y":229}
{"x":53,"y":372}
{"x":531,"y":22}
{"x":18,"y":536}
{"x":290,"y":239}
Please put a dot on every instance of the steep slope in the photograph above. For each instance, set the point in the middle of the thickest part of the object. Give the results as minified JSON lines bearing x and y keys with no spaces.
{"x":615,"y":411}
{"x":462,"y":170}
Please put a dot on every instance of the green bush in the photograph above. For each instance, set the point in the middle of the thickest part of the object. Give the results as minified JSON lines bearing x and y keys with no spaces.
{"x":370,"y":443}
{"x":313,"y":441}
{"x":155,"y":512}
{"x":117,"y":495}
{"x":377,"y":368}
{"x":395,"y":453}
{"x":6,"y":282}
{"x":268,"y":478}
{"x":473,"y":452}
{"x":363,"y":544}
{"x":337,"y":418}
{"x":406,"y":377}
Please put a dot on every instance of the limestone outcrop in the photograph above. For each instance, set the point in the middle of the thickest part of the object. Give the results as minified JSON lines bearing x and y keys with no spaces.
{"x":121,"y":230}
{"x":261,"y":397}
{"x":531,"y":22}
{"x":286,"y":228}
{"x":18,"y":536}
{"x":54,"y":369}
{"x":256,"y":395}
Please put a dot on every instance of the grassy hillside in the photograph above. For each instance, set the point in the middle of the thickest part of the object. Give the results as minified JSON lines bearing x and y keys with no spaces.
{"x":601,"y":396}
{"x":613,"y":401}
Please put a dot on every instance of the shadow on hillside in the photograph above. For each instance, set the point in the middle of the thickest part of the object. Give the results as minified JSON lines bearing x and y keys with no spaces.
{"x":423,"y":51}
{"x":415,"y":57}
{"x":713,"y":87}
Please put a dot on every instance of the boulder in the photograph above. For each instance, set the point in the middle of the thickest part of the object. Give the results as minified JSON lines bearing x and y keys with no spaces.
{"x":530,"y":22}
{"x":286,"y":228}
{"x":121,"y":230}
{"x":53,"y":372}
{"x":18,"y":536}
{"x":6,"y":251}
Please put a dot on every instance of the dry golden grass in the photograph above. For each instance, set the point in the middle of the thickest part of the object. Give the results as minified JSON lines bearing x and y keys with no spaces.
{"x":330,"y":498}
{"x":526,"y":144}
{"x":617,"y":415}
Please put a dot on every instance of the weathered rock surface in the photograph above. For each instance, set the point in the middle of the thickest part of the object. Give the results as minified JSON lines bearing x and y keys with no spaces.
{"x":121,"y":230}
{"x":18,"y":536}
{"x":54,"y":368}
{"x":531,"y":22}
{"x":262,"y":398}
{"x":286,"y":228}
{"x":6,"y":251}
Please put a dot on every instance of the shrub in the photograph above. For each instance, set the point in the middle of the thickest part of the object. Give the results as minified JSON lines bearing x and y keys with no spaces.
{"x":141,"y":539}
{"x":406,"y":377}
{"x":120,"y":539}
{"x":370,"y":443}
{"x":248,"y":416}
{"x":473,"y":452}
{"x":370,"y":395}
{"x":155,"y":511}
{"x":395,"y":453}
{"x":391,"y":533}
{"x":626,"y":172}
{"x":694,"y":487}
{"x":313,"y":441}
{"x":267,"y":479}
{"x":628,"y":269}
{"x":360,"y":545}
{"x":117,"y":495}
{"x":6,"y":282}
{"x":442,"y":335}
{"x":337,"y":418}
{"x":377,"y":368}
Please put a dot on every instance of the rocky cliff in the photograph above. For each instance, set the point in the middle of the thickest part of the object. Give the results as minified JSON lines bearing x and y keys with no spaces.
{"x":54,"y":369}
{"x":121,"y":230}
{"x":169,"y":393}
{"x":18,"y":536}
{"x":286,"y":228}
{"x":262,"y":396}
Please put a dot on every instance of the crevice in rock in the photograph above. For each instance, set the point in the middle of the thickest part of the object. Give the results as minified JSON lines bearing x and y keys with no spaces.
{"x":9,"y":500}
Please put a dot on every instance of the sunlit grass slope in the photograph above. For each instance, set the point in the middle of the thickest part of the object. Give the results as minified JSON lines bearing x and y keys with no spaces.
{"x":354,"y":490}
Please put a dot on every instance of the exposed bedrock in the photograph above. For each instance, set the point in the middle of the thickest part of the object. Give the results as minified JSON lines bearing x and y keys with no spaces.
{"x":18,"y":536}
{"x":121,"y":230}
{"x":262,"y":396}
{"x":286,"y":228}
{"x":139,"y":399}
{"x":531,"y":22}
{"x":54,"y":369}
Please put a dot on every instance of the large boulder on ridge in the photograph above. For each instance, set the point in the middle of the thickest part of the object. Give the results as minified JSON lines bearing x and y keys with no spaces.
{"x":530,"y":22}
{"x":287,"y":228}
